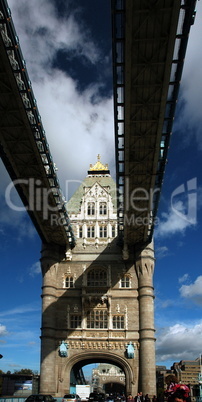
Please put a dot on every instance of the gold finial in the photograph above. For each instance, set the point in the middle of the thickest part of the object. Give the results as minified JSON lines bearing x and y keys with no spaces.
{"x":99,"y":165}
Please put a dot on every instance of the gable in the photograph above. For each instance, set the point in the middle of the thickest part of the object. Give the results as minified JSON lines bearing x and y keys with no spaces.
{"x":97,"y":191}
{"x":74,"y":204}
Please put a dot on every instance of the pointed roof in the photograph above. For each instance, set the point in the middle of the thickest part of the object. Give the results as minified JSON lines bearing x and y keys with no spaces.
{"x":99,"y":174}
{"x":98,"y":167}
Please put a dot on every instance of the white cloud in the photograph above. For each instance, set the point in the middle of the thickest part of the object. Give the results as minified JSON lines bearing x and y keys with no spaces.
{"x":35,"y":269}
{"x":28,"y":308}
{"x":161,"y":252}
{"x":171,"y":222}
{"x":43,"y":33}
{"x":175,"y":343}
{"x":77,"y":128}
{"x":3,"y":330}
{"x":193,"y":291}
{"x":78,"y":125}
{"x":183,"y":278}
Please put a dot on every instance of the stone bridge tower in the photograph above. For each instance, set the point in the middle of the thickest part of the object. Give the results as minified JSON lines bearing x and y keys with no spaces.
{"x":97,"y":303}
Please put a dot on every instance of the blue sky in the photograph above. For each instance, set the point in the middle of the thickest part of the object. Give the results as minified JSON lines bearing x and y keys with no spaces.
{"x":68,"y":57}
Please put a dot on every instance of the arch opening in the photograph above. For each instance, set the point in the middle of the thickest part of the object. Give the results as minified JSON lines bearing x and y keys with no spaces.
{"x":114,"y":376}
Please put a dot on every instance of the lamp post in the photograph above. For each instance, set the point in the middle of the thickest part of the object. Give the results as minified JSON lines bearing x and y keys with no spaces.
{"x":200,"y":384}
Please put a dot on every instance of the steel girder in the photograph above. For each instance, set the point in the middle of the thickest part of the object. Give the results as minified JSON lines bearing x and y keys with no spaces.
{"x":23,"y":145}
{"x":149,"y":46}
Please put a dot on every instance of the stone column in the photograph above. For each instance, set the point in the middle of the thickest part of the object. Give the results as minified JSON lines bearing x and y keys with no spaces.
{"x":147,"y":363}
{"x":50,"y":257}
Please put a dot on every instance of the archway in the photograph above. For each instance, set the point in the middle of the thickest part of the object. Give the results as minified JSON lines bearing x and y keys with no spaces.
{"x":82,"y":359}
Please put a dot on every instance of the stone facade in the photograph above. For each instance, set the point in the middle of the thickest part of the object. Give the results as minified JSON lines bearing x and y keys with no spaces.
{"x":94,"y":300}
{"x":109,"y":378}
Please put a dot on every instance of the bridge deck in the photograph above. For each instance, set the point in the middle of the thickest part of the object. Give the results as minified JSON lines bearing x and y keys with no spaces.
{"x":23,"y":145}
{"x":149,"y":45}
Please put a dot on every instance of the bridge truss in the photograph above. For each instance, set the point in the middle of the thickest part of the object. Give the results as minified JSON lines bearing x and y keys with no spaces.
{"x":24,"y":147}
{"x":149,"y":45}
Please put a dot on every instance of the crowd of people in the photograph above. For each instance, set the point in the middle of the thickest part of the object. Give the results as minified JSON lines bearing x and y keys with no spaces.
{"x":141,"y":398}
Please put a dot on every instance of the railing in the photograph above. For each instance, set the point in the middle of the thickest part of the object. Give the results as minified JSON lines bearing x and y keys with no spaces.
{"x":12,"y":399}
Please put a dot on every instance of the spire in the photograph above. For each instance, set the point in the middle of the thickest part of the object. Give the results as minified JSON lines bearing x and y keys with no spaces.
{"x":99,"y":167}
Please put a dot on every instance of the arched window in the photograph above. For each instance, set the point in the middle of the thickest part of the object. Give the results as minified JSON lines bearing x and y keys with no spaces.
{"x":91,"y":208}
{"x":97,"y":277}
{"x":103,"y":208}
{"x":97,"y":319}
{"x":125,"y":281}
{"x":69,"y":282}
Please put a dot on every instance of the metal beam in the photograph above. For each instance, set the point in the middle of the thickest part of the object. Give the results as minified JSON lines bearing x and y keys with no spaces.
{"x":149,"y":46}
{"x":23,"y":145}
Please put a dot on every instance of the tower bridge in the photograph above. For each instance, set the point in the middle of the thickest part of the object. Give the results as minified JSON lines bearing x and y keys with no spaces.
{"x":97,"y":256}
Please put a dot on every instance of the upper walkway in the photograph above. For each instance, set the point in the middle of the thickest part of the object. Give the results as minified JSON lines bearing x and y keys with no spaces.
{"x":149,"y":46}
{"x":149,"y":39}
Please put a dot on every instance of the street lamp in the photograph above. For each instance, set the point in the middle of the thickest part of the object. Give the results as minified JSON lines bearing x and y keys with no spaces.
{"x":200,"y":384}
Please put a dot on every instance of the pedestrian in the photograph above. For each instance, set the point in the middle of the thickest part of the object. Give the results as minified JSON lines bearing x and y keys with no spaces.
{"x":171,"y":381}
{"x":147,"y":398}
{"x":173,"y":386}
{"x":139,"y":397}
{"x":129,"y":398}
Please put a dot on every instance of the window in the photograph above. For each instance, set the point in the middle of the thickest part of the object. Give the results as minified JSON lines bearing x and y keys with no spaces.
{"x":97,"y":319}
{"x":75,"y":321}
{"x":103,"y":208}
{"x":103,"y":231}
{"x":113,"y":231}
{"x":125,"y":281}
{"x":97,"y":277}
{"x":69,"y":282}
{"x":91,"y":231}
{"x":91,"y":208}
{"x":80,"y":232}
{"x":118,"y":322}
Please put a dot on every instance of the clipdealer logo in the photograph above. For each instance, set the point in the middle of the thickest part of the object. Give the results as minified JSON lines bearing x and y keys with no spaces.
{"x":183,"y":201}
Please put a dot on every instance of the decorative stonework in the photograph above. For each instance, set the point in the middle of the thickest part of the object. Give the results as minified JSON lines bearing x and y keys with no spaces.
{"x":98,"y":345}
{"x":96,"y":334}
{"x":118,"y":334}
{"x":68,"y":255}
